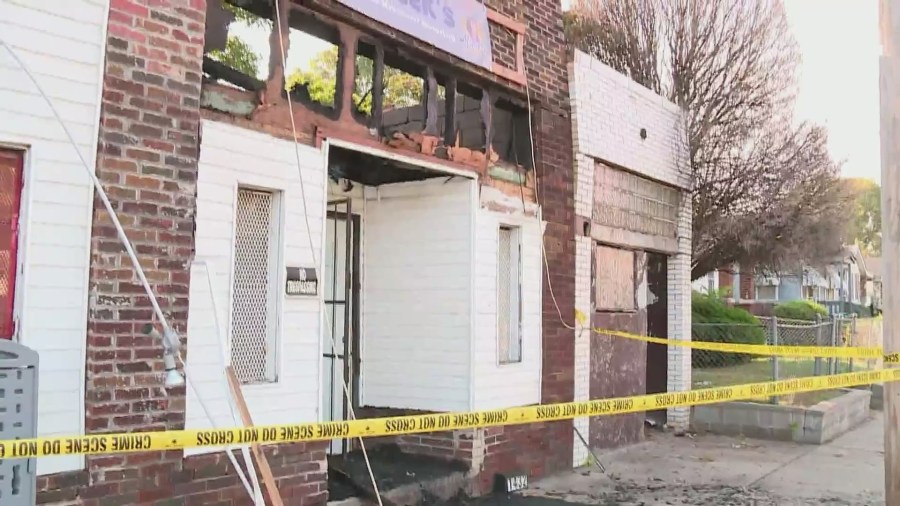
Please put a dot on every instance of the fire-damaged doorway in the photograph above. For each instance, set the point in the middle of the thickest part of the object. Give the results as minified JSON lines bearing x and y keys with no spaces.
{"x":341,"y":352}
{"x":657,"y":326}
{"x":387,"y":221}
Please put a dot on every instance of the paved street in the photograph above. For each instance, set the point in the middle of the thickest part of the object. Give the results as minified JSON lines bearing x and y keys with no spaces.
{"x":726,"y":471}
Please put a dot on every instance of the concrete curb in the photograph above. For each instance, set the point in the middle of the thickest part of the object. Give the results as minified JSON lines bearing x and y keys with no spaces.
{"x":813,"y":425}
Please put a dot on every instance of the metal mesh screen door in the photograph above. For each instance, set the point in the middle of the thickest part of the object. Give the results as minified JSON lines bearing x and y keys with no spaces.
{"x":18,"y":420}
{"x":509,"y":296}
{"x":253,"y":326}
{"x":10,"y":202}
{"x":341,"y":359}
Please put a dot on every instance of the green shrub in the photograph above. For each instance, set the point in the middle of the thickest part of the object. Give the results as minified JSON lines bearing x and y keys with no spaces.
{"x":717,"y":322}
{"x":805,"y":310}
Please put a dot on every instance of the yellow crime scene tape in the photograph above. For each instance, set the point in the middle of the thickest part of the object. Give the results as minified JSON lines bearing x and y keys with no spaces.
{"x":304,"y":432}
{"x":767,"y":350}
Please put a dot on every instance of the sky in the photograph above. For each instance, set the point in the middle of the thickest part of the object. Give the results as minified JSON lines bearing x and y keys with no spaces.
{"x":838,"y":77}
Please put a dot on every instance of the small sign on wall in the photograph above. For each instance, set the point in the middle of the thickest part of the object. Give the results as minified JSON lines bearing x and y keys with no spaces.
{"x":509,"y":483}
{"x":301,"y":281}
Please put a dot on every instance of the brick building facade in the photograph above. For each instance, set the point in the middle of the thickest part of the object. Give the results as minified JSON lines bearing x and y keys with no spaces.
{"x":633,"y":197}
{"x":159,"y":99}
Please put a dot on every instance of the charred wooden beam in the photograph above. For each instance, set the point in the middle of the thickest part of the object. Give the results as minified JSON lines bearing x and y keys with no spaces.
{"x":217,"y":21}
{"x":431,"y":103}
{"x":487,"y":120}
{"x":450,"y":112}
{"x":279,"y":45}
{"x":346,"y":73}
{"x":378,"y":90}
{"x":218,"y":70}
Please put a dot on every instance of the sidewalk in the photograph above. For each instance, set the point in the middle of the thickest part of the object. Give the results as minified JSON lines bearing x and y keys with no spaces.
{"x":712,"y":470}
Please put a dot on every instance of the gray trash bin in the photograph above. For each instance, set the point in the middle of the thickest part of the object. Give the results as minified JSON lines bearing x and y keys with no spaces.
{"x":18,"y":420}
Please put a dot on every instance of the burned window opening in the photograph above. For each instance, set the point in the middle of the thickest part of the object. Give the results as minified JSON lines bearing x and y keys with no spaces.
{"x":402,"y":98}
{"x":314,"y":81}
{"x":470,"y":132}
{"x":364,"y":81}
{"x":403,"y":102}
{"x":237,"y":43}
{"x":512,"y":135}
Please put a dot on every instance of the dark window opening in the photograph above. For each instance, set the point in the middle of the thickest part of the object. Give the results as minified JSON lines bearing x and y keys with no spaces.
{"x":470,"y":132}
{"x":512,"y":134}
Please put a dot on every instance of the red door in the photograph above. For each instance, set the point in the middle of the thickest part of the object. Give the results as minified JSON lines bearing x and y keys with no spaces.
{"x":11,"y":163}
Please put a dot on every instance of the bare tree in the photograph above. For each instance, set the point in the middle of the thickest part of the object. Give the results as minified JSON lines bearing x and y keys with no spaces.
{"x":766,"y":191}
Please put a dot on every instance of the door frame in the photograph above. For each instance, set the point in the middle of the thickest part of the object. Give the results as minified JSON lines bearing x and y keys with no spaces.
{"x":15,"y":246}
{"x":657,"y":326}
{"x":351,"y":301}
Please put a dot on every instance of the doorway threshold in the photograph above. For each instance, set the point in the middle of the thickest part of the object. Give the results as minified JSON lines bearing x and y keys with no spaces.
{"x":404,"y":479}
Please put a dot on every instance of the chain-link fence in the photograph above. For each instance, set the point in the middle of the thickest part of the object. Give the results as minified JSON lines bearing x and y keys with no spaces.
{"x":867,"y":333}
{"x":714,"y":369}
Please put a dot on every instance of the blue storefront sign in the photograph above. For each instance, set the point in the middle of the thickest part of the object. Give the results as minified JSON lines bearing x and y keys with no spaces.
{"x":458,"y":27}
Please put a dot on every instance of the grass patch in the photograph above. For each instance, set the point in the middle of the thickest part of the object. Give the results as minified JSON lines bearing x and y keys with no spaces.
{"x":759,"y":370}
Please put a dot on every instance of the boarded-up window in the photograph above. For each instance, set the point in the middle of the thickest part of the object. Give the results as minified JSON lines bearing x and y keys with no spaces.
{"x":10,"y":204}
{"x":254,"y":301}
{"x":614,"y":285}
{"x":627,"y":201}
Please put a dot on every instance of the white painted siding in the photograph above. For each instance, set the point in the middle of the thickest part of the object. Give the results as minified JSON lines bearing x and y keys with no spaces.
{"x":417,"y":292}
{"x":507,"y":385}
{"x":62,"y":44}
{"x":232,"y":156}
{"x":612,"y":109}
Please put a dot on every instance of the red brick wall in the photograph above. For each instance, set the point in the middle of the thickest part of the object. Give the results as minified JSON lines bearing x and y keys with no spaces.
{"x":449,"y":445}
{"x":544,"y":448}
{"x":726,"y":282}
{"x":748,"y":286}
{"x":149,"y":144}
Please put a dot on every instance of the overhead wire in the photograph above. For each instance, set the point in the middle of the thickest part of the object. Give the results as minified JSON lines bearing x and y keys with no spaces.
{"x":312,"y":248}
{"x":540,"y":210}
{"x":168,"y":334}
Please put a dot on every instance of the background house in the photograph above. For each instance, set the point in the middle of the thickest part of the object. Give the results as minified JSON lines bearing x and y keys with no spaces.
{"x":846,"y":284}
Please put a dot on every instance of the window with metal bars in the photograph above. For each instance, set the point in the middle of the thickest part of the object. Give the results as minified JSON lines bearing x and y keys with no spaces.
{"x":254,"y":326}
{"x":509,"y":295}
{"x":11,"y":169}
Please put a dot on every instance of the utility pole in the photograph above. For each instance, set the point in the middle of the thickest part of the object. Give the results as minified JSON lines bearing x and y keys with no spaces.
{"x":890,"y":229}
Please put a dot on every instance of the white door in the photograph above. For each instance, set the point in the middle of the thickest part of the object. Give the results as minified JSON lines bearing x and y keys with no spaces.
{"x":337,"y":300}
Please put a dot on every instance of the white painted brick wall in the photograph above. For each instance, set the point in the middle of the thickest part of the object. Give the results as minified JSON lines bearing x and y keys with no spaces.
{"x":679,"y":270}
{"x":583,"y":257}
{"x":611,"y":110}
{"x":608,"y":111}
{"x":63,"y":44}
{"x":506,"y":385}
